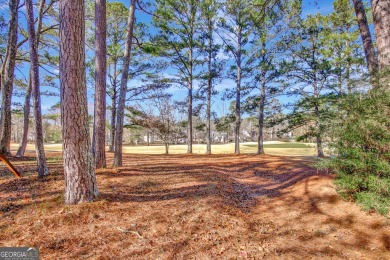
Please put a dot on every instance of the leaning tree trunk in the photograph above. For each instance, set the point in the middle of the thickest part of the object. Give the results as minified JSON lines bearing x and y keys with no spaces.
{"x":123,"y":89}
{"x":26,"y":108}
{"x":6,"y":90}
{"x":369,"y":50}
{"x":99,"y":133}
{"x":260,"y":137}
{"x":40,"y":150}
{"x":79,"y":171}
{"x":381,"y":16}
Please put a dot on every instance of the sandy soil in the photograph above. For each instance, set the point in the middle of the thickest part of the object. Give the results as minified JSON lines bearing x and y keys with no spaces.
{"x":192,"y":207}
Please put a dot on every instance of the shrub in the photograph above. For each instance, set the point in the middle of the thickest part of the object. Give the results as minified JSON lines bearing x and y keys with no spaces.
{"x":362,"y":144}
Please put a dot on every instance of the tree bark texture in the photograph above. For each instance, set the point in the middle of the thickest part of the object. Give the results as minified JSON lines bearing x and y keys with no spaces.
{"x":371,"y":59}
{"x":40,"y":151}
{"x":99,"y":133}
{"x":381,"y":16}
{"x":6,"y":90}
{"x":79,"y":171}
{"x":123,"y":88}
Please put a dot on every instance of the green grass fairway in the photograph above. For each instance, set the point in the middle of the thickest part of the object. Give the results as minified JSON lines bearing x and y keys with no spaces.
{"x":279,"y":145}
{"x":273,"y":148}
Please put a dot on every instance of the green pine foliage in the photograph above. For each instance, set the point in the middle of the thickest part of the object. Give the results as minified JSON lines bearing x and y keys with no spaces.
{"x":362,"y":144}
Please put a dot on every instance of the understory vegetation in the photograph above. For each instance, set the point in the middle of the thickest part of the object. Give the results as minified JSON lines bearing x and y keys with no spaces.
{"x":363,"y":147}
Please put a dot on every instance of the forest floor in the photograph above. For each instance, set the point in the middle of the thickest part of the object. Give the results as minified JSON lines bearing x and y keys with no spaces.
{"x":191,"y":207}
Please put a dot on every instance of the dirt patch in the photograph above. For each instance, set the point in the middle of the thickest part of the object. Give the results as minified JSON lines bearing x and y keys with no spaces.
{"x":193,"y":207}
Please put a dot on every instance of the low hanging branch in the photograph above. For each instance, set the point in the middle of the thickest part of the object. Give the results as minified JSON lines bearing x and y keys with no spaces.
{"x":10,"y":166}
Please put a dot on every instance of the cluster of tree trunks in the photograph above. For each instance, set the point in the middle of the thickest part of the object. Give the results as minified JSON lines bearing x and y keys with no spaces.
{"x":34,"y":78}
{"x":123,"y":89}
{"x":381,"y":18}
{"x":26,"y":107}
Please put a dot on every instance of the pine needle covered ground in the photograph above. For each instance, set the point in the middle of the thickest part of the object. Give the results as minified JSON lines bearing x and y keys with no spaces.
{"x":191,"y":207}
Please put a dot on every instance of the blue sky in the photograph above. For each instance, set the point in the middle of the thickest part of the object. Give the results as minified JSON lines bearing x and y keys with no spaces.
{"x":309,"y":7}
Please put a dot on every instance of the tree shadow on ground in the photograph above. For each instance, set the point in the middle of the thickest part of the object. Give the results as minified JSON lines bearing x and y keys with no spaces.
{"x":222,"y":179}
{"x":249,"y":191}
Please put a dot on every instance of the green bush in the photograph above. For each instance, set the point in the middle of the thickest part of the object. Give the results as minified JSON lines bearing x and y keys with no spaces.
{"x":362,"y":144}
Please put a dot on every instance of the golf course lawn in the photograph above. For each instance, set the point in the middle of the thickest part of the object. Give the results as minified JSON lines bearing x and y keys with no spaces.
{"x":272,"y":147}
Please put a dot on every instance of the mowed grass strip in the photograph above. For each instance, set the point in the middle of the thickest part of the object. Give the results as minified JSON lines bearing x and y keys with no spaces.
{"x":280,"y":145}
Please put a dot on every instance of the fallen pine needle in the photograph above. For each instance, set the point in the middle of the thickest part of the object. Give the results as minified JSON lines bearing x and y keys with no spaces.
{"x":129,"y":231}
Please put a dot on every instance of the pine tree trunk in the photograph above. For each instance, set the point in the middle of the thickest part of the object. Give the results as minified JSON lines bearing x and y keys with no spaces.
{"x":6,"y":90}
{"x":260,"y":137}
{"x":238,"y":98}
{"x":113,"y":113}
{"x":381,"y":17}
{"x":26,"y":119}
{"x":208,"y":120}
{"x":99,"y":134}
{"x":27,"y":100}
{"x":41,"y":159}
{"x":209,"y":89}
{"x":123,"y":89}
{"x":189,"y":118}
{"x":320,"y":152}
{"x":79,"y":171}
{"x":369,"y":50}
